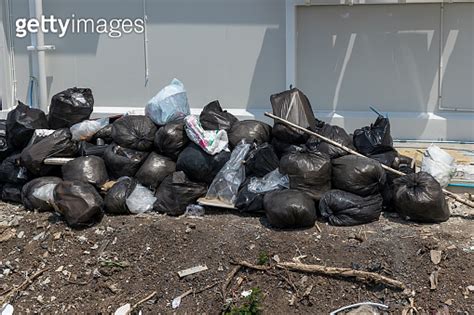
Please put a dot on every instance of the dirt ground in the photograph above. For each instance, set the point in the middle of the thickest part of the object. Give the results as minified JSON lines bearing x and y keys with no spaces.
{"x":123,"y":259}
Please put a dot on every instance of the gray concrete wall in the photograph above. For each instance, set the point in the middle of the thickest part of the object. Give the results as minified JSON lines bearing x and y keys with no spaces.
{"x":231,"y":50}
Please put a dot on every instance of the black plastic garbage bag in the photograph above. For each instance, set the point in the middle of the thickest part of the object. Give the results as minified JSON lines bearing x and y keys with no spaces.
{"x":294,"y":106}
{"x":104,"y":134}
{"x":171,"y":139}
{"x":248,"y":201}
{"x":308,"y":172}
{"x":12,"y":172}
{"x":154,"y":170}
{"x":11,"y":193}
{"x":358,"y":175}
{"x":58,"y":144}
{"x":388,"y":189}
{"x":214,"y":118}
{"x":5,"y":148}
{"x":176,"y":192}
{"x":420,"y":197}
{"x":134,"y":132}
{"x":38,"y":194}
{"x":250,"y":131}
{"x":334,"y":133}
{"x":116,"y":199}
{"x":79,"y":203}
{"x":390,"y":158}
{"x":282,"y":148}
{"x":86,"y":149}
{"x":22,"y":123}
{"x":200,"y":166}
{"x":289,"y":209}
{"x":344,"y":209}
{"x":289,"y":134}
{"x":70,"y":107}
{"x":87,"y":169}
{"x":122,"y":161}
{"x":261,"y":160}
{"x":375,"y":138}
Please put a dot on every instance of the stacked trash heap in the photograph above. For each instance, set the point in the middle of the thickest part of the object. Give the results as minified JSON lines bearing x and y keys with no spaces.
{"x":166,"y":160}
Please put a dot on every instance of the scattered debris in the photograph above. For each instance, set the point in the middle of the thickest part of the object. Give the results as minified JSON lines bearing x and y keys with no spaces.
{"x":435,"y":256}
{"x":434,"y":280}
{"x":190,"y":271}
{"x":383,"y":306}
{"x":177,"y":300}
{"x":123,"y":310}
{"x":7,"y":234}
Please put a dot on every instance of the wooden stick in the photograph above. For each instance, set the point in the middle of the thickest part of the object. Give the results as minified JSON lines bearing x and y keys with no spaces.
{"x":148,"y":297}
{"x":349,"y":150}
{"x":343,"y":272}
{"x":228,"y":279}
{"x":252,"y":266}
{"x":22,"y":286}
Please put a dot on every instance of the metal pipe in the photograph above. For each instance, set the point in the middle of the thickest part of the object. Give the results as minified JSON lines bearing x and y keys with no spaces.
{"x":145,"y":42}
{"x":349,"y":150}
{"x":11,"y":54}
{"x":42,"y":84}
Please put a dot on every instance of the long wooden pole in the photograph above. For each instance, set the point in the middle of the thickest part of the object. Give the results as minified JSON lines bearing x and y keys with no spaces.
{"x":349,"y":150}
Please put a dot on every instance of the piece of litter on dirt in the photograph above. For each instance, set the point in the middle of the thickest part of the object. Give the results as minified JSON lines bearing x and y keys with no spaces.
{"x":82,"y":239}
{"x":39,"y":236}
{"x":7,"y":234}
{"x":449,"y":302}
{"x":95,"y":246}
{"x":370,"y":304}
{"x":60,"y":268}
{"x":21,"y":234}
{"x":435,"y":256}
{"x":451,"y":247}
{"x":276,"y":258}
{"x":190,"y":271}
{"x":470,"y":288}
{"x":434,"y":280}
{"x":177,"y":300}
{"x":57,"y":235}
{"x":6,"y":309}
{"x":123,"y":310}
{"x":246,"y":293}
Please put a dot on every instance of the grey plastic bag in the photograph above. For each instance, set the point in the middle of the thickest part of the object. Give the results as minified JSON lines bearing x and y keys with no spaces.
{"x":225,"y":185}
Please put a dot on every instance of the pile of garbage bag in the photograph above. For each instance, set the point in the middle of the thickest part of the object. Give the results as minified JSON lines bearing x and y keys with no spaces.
{"x":167,"y":159}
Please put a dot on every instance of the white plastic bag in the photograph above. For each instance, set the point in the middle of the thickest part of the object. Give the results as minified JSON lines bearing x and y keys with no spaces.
{"x":87,"y":128}
{"x":225,"y":185}
{"x":169,"y":104}
{"x":211,"y":141}
{"x":140,"y":200}
{"x":439,"y":164}
{"x":45,"y":193}
{"x":272,"y":181}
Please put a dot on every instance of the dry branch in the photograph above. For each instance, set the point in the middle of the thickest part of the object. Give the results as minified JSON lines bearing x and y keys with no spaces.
{"x":342,"y":272}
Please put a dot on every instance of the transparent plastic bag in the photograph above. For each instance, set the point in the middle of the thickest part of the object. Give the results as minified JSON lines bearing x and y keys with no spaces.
{"x":211,"y":141}
{"x":85,"y":130}
{"x":439,"y":164}
{"x":140,"y":200}
{"x":169,"y":104}
{"x":227,"y":182}
{"x":194,"y":211}
{"x":272,"y":181}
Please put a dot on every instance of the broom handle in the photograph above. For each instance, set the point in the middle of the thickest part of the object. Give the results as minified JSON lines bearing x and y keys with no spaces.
{"x":349,"y":150}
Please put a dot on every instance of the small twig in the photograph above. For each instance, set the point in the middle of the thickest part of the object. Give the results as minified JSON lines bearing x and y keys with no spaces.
{"x":252,"y":266}
{"x":207,"y":287}
{"x":148,"y":297}
{"x":343,"y":272}
{"x":228,"y":279}
{"x":22,"y":286}
{"x":318,"y":228}
{"x":290,"y":283}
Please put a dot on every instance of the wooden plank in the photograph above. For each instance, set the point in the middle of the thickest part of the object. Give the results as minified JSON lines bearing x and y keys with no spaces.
{"x":191,"y":271}
{"x":215,"y":203}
